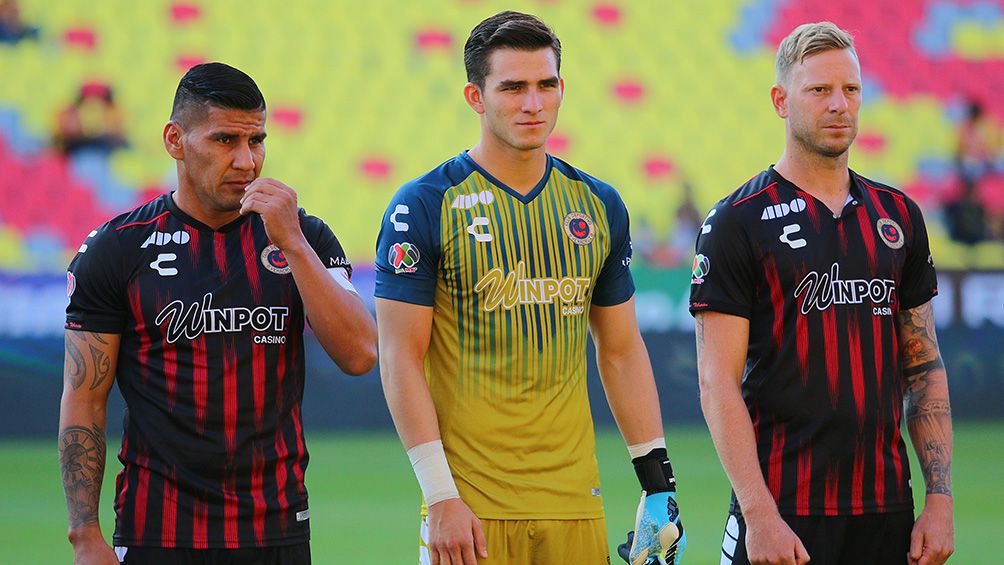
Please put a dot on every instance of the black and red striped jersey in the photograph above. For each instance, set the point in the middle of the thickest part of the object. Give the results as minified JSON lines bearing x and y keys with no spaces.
{"x":211,"y":366}
{"x":821,"y":291}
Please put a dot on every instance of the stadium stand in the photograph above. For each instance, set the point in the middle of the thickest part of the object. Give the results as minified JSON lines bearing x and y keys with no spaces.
{"x":364,"y":96}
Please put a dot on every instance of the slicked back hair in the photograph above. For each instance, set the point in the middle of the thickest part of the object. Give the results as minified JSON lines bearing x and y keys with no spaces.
{"x":511,"y":30}
{"x":214,"y":85}
{"x":807,"y":40}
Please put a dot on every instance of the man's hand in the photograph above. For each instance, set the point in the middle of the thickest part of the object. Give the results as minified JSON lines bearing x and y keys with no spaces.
{"x":933,"y":539}
{"x":770,"y":541}
{"x":276,"y":203}
{"x":455,"y":534}
{"x":659,"y":536}
{"x":93,"y":550}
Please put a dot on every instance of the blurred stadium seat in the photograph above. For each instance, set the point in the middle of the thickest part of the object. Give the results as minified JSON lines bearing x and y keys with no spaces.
{"x":366,"y":96}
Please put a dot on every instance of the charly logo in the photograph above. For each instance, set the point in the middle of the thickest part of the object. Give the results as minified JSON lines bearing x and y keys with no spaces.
{"x":400,"y":210}
{"x":787,"y":231}
{"x":822,"y":290}
{"x":579,"y":228}
{"x":706,"y":227}
{"x":404,"y":257}
{"x":273,"y":260}
{"x":201,"y":317}
{"x":890,"y":233}
{"x":506,"y":290}
{"x":702,"y":266}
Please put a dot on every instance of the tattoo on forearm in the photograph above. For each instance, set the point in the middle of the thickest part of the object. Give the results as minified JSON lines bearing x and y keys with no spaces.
{"x":82,"y":464}
{"x":928,"y":410}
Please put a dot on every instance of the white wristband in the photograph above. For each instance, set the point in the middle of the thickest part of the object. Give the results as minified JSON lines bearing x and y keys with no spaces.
{"x":639,"y":449}
{"x":433,"y":472}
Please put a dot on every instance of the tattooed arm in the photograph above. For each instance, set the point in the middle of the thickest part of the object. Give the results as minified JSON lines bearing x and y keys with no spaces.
{"x":88,"y":374}
{"x":929,"y":420}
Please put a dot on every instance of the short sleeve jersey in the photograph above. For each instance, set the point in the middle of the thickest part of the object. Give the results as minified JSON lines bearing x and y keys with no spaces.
{"x":511,"y":279}
{"x":211,"y":366}
{"x":821,"y":291}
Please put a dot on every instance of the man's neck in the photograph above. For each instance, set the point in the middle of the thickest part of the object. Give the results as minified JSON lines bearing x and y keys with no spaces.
{"x":828,"y":179}
{"x":190,"y":205}
{"x":519,"y":170}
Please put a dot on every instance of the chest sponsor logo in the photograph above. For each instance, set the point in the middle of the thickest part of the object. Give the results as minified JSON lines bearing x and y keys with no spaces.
{"x":338,"y":262}
{"x":702,"y":266}
{"x":399,"y":210}
{"x":499,"y":289}
{"x":783,"y":209}
{"x":786,"y":234}
{"x":706,"y":227}
{"x":404,"y":257}
{"x":579,"y":228}
{"x":160,"y":238}
{"x":273,"y":260}
{"x":197,"y":318}
{"x":890,"y":233}
{"x":160,"y":264}
{"x":465,"y":201}
{"x":472,"y":229}
{"x":820,"y":291}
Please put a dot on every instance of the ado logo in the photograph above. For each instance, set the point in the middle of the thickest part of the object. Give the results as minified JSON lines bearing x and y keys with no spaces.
{"x":161,"y":239}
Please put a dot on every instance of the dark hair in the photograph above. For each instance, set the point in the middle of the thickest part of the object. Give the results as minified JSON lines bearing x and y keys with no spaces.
{"x":513,"y":30}
{"x":217,"y":85}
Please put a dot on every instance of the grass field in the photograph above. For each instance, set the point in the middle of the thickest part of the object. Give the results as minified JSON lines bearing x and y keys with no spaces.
{"x":364,"y":499}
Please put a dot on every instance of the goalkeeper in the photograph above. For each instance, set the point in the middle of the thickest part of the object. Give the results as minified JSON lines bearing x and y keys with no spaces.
{"x":492,"y":269}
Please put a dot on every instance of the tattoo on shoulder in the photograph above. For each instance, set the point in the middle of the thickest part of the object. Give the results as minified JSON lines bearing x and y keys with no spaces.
{"x":82,"y":465}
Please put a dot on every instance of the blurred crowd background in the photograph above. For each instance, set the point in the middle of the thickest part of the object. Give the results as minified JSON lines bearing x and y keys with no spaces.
{"x":667,"y":101}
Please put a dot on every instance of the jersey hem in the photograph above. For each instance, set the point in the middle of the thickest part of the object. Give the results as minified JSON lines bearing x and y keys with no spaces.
{"x":189,"y":544}
{"x":539,"y":515}
{"x":822,"y":511}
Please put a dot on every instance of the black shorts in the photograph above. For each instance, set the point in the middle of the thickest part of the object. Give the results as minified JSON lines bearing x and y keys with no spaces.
{"x":297,"y":554}
{"x":834,"y":540}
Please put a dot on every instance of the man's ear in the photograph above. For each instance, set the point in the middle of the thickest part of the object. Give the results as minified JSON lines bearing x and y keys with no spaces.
{"x":473,"y":95}
{"x":172,"y":140}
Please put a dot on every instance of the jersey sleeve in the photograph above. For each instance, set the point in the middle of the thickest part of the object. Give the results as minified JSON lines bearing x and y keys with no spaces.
{"x":615,"y":285}
{"x":723,"y":277}
{"x":408,"y":246}
{"x":96,"y":285}
{"x":325,"y":244}
{"x":919,"y":282}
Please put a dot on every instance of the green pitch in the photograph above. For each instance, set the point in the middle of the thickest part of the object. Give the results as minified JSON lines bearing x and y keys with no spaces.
{"x":364,"y":499}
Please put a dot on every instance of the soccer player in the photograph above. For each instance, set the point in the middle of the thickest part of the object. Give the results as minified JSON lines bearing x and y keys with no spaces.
{"x":195,"y":303}
{"x":491,"y":269}
{"x":811,"y":291}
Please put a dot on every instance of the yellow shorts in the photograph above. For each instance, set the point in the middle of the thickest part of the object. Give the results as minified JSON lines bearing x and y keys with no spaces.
{"x":536,"y":542}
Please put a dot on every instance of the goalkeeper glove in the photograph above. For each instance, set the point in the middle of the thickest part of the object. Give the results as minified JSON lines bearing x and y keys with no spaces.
{"x":658,"y":536}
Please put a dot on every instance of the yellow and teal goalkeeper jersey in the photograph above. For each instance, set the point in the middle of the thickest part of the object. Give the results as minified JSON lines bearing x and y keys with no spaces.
{"x":511,"y":279}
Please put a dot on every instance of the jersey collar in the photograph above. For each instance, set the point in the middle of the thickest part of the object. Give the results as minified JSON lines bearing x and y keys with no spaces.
{"x":525,"y":199}
{"x":186,"y":219}
{"x":856,"y":192}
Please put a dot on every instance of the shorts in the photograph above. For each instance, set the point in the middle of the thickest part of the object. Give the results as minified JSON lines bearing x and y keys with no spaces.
{"x":536,"y":542}
{"x":834,"y":540}
{"x":296,"y":554}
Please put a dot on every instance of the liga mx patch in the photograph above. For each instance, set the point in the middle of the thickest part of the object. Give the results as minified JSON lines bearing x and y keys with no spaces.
{"x":71,"y":284}
{"x":579,"y":228}
{"x":702,"y":266}
{"x":890,"y":233}
{"x":273,"y":260}
{"x":404,"y":257}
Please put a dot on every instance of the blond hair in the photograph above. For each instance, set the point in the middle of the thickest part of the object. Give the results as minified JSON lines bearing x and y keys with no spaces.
{"x":807,"y":40}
